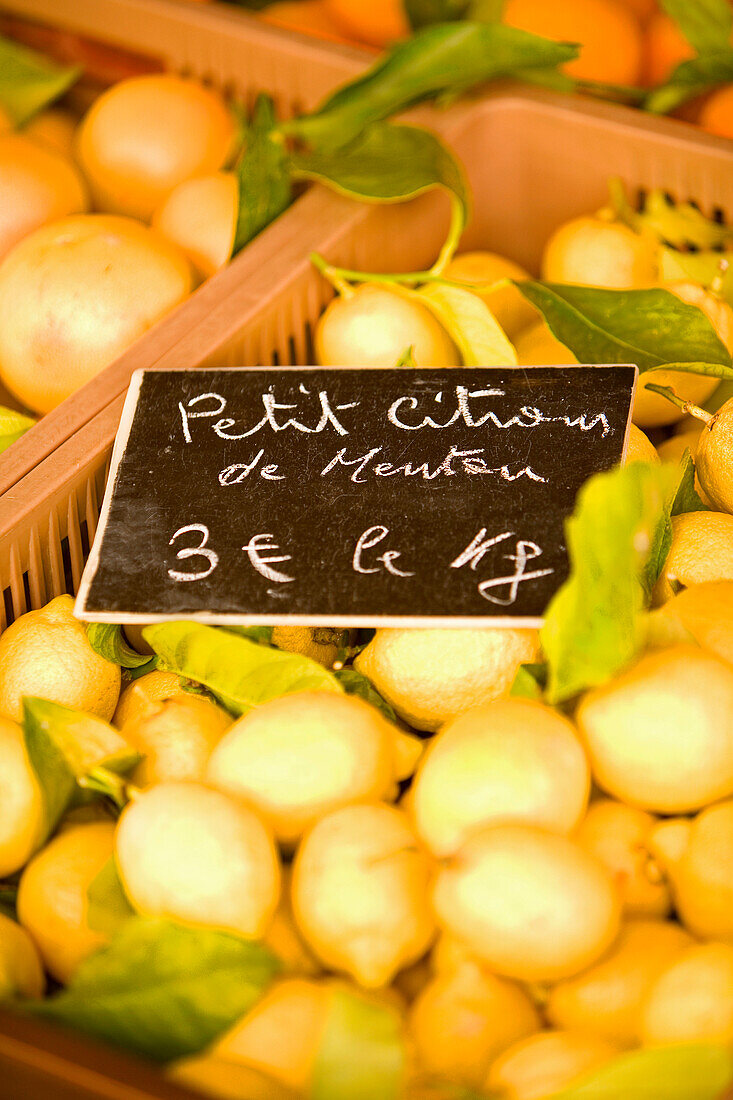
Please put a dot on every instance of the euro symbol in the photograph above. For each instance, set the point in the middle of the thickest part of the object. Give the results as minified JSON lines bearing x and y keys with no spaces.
{"x":255,"y":549}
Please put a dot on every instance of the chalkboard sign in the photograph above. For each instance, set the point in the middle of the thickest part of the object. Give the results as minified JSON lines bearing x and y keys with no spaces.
{"x":350,"y":496}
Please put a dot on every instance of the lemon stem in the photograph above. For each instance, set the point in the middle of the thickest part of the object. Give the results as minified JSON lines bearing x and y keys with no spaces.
{"x":687,"y":407}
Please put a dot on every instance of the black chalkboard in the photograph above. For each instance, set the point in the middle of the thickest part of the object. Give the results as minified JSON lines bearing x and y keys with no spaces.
{"x":349,"y":496}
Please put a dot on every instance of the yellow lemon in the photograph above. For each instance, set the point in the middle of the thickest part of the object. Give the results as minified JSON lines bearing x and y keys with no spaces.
{"x":192,"y":854}
{"x":22,"y":817}
{"x":672,"y":449}
{"x":701,"y":550}
{"x":714,"y":458}
{"x":538,"y":347}
{"x":374,"y":326}
{"x":144,"y":695}
{"x":544,"y":1065}
{"x":54,"y":127}
{"x":508,"y":760}
{"x":52,"y":900}
{"x":618,"y":834}
{"x":21,"y":973}
{"x":47,"y":654}
{"x":606,"y":1000}
{"x":596,"y":251}
{"x":691,"y":1001}
{"x":227,"y":1080}
{"x":530,"y":904}
{"x":176,"y":739}
{"x":651,"y":410}
{"x":188,"y":131}
{"x":463,"y":1020}
{"x":706,"y":610}
{"x":640,"y":448}
{"x":432,"y":676}
{"x":319,"y":644}
{"x":360,"y":893}
{"x":508,"y":305}
{"x":660,"y":736}
{"x":302,"y":755}
{"x":200,"y":216}
{"x":284,"y":939}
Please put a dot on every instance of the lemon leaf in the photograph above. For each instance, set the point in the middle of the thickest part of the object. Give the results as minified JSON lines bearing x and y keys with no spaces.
{"x":361,"y":1054}
{"x":671,"y":1073}
{"x":692,"y":78}
{"x":356,"y":683}
{"x":108,"y":641}
{"x":421,"y":13}
{"x":594,"y":625}
{"x":162,"y":990}
{"x":64,"y":746}
{"x":470,"y":324}
{"x":706,"y":24}
{"x":263,"y":176}
{"x":260,"y":634}
{"x":529,"y":682}
{"x":107,"y":904}
{"x":239,"y":672}
{"x":12,"y":426}
{"x":651,"y":328}
{"x":697,"y":267}
{"x":29,"y":81}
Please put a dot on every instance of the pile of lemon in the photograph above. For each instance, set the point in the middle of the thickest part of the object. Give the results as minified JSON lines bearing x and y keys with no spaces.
{"x":533,"y":890}
{"x":107,"y":223}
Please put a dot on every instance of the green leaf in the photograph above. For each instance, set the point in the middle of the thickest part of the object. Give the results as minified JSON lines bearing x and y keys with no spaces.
{"x":265,"y":187}
{"x":594,"y":625}
{"x":162,"y":990}
{"x":706,"y":24}
{"x":697,"y":267}
{"x":109,"y":642}
{"x":64,"y":745}
{"x":434,"y":60}
{"x":681,"y":224}
{"x":238,"y":672}
{"x":687,"y":498}
{"x":670,"y":1073}
{"x":29,"y":81}
{"x":682,"y":497}
{"x":529,"y":682}
{"x":356,"y":683}
{"x":387,"y":163}
{"x":470,"y":324}
{"x":692,"y":78}
{"x":12,"y":423}
{"x":260,"y":634}
{"x":107,"y":905}
{"x":651,"y":328}
{"x":407,"y":359}
{"x":422,"y":13}
{"x":362,"y":1052}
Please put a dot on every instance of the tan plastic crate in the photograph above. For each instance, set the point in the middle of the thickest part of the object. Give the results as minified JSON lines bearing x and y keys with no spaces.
{"x":219,"y":45}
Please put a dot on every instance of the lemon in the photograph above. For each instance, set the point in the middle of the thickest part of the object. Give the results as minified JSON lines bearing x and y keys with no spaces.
{"x":508,"y":305}
{"x":463,"y":1020}
{"x":706,"y":610}
{"x":302,"y":755}
{"x":617,"y":835}
{"x":606,"y":1000}
{"x":284,"y":939}
{"x":701,"y":550}
{"x":227,"y":1080}
{"x":47,"y":654}
{"x":432,"y":676}
{"x":530,"y":904}
{"x":640,"y":448}
{"x":660,"y":736}
{"x":360,"y":893}
{"x":143,"y":696}
{"x":188,"y":131}
{"x":373,"y":326}
{"x":55,"y":128}
{"x":449,"y":953}
{"x":714,"y":458}
{"x":317,"y":644}
{"x":691,"y":1001}
{"x":22,"y":817}
{"x":200,"y":216}
{"x":508,"y":760}
{"x":52,"y":898}
{"x":176,"y":739}
{"x":651,"y":410}
{"x":21,"y":973}
{"x":538,"y":347}
{"x":194,"y":855}
{"x":672,"y":449}
{"x":698,"y":857}
{"x":596,"y":251}
{"x":542,"y":1066}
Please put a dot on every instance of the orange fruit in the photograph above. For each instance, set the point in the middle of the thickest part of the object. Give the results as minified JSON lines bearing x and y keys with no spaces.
{"x":717,"y":114}
{"x":74,"y":295}
{"x":55,"y":128}
{"x":374,"y":22}
{"x":36,"y":186}
{"x":200,"y":216}
{"x":609,"y":34}
{"x":665,"y":47}
{"x":145,"y":135}
{"x":642,"y":9}
{"x":304,"y":16}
